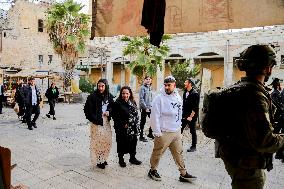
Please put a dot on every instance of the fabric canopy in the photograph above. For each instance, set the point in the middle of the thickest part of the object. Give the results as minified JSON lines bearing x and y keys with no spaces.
{"x":123,"y":17}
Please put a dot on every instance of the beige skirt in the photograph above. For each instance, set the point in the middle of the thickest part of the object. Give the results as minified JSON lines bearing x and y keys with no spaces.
{"x":101,"y":140}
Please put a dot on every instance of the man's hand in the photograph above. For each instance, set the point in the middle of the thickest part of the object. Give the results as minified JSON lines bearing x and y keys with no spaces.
{"x":126,"y":126}
{"x":106,"y":113}
{"x":191,"y":116}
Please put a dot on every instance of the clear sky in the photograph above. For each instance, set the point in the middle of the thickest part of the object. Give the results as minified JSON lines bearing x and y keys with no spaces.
{"x":5,"y":4}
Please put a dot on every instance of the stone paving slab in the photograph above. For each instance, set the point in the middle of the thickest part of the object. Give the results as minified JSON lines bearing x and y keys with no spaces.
{"x":56,"y":156}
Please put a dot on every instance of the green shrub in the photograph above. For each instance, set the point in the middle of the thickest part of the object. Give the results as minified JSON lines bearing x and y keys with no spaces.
{"x":86,"y":86}
{"x":182,"y":71}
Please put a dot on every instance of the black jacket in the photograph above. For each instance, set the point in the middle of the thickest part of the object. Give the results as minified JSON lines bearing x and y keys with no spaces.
{"x":93,"y":107}
{"x":27,"y":94}
{"x":191,"y":102}
{"x":19,"y":96}
{"x":50,"y":95}
{"x":125,"y":113}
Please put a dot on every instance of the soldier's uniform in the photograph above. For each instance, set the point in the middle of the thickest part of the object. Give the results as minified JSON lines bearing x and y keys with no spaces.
{"x":249,"y":151}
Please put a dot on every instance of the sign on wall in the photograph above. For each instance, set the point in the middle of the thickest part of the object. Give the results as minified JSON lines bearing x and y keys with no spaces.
{"x":123,"y":17}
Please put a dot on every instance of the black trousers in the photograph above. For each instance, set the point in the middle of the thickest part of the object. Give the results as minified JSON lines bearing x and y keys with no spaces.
{"x":51,"y":103}
{"x":144,"y":115}
{"x":191,"y":125}
{"x":21,"y":109}
{"x":32,"y":110}
{"x":1,"y":104}
{"x":279,"y":128}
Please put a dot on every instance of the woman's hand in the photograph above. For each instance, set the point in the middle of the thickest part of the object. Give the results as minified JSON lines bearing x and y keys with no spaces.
{"x":126,"y":126}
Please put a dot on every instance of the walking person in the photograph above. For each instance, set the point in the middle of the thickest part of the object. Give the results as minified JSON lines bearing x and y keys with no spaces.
{"x":166,"y":124}
{"x":145,"y":100}
{"x":248,"y":150}
{"x":190,"y":109}
{"x":52,"y":94}
{"x":32,"y":100}
{"x":97,"y":110}
{"x":126,"y":125}
{"x":279,"y":114}
{"x":1,"y":97}
{"x":19,"y":98}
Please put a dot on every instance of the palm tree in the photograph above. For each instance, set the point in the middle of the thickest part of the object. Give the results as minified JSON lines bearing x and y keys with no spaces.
{"x":147,"y":57}
{"x":68,"y":31}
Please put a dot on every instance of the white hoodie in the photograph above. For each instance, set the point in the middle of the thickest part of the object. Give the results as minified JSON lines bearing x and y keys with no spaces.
{"x":166,"y":112}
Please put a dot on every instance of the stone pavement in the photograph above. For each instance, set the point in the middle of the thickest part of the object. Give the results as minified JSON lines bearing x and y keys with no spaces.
{"x":56,"y":156}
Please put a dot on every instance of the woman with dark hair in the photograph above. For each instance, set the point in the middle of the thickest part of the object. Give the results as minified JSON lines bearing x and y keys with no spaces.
{"x":52,"y":94}
{"x":97,"y":108}
{"x":125,"y":116}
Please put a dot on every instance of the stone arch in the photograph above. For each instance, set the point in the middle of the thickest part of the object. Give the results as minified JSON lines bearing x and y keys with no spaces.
{"x":206,"y":50}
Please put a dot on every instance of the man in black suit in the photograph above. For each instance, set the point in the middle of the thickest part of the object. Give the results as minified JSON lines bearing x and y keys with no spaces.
{"x":190,"y":110}
{"x":32,"y":99}
{"x":1,"y":97}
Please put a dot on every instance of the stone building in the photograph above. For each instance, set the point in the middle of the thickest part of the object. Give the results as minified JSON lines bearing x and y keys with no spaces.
{"x":25,"y":43}
{"x":215,"y":51}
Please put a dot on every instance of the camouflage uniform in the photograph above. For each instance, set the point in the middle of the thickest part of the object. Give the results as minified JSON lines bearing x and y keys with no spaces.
{"x":249,"y":151}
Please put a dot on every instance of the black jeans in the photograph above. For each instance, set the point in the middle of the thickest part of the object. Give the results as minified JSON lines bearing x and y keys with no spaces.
{"x":144,"y":115}
{"x":32,"y":110}
{"x":51,"y":103}
{"x":1,"y":104}
{"x":191,"y":125}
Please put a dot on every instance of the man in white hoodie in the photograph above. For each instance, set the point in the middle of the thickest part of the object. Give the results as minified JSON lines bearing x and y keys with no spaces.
{"x":165,"y":122}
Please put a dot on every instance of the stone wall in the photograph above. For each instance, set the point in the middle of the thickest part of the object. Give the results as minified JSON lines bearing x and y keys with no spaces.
{"x":23,"y":44}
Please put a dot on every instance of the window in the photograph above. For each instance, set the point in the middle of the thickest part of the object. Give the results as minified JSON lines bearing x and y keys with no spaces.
{"x":40,"y":60}
{"x":40,"y":25}
{"x":49,"y":59}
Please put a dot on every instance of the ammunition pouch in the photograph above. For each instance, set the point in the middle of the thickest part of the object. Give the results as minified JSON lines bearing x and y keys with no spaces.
{"x":256,"y":162}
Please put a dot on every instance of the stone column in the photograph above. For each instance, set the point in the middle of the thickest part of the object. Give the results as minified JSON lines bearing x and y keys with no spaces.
{"x":109,"y":74}
{"x":228,"y":66}
{"x":122,"y":75}
{"x":160,"y":76}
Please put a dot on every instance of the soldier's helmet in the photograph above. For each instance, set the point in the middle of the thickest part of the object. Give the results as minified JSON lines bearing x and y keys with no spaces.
{"x":256,"y":57}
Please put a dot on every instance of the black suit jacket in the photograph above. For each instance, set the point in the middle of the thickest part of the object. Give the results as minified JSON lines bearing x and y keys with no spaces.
{"x":191,"y":102}
{"x":27,"y":94}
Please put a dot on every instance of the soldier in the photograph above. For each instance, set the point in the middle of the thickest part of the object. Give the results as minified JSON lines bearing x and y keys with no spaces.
{"x":249,"y":151}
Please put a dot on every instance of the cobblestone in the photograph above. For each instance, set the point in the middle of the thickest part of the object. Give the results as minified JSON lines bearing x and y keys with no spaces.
{"x":56,"y":155}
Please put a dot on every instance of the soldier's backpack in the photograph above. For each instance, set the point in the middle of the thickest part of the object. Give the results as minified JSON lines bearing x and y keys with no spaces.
{"x":220,"y":110}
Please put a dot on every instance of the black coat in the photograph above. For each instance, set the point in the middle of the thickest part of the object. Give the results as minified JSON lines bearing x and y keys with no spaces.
{"x":19,"y":96}
{"x":27,"y":94}
{"x":125,"y":113}
{"x":191,"y":102}
{"x":50,"y":95}
{"x":2,"y":93}
{"x":93,"y":107}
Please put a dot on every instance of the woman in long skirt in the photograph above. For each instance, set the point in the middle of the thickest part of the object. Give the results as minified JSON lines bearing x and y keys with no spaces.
{"x":97,"y":108}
